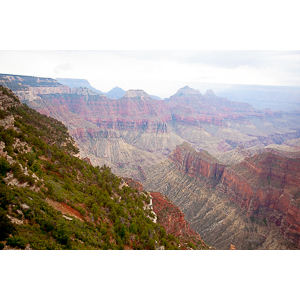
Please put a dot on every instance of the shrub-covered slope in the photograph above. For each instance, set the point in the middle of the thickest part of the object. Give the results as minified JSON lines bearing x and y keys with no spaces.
{"x":51,"y":199}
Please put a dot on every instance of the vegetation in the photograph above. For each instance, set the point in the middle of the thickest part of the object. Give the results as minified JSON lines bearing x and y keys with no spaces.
{"x":66,"y":203}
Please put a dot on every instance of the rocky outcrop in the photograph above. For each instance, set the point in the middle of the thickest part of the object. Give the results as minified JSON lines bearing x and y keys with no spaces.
{"x":171,"y":217}
{"x":199,"y":165}
{"x":87,"y":160}
{"x":7,"y":122}
{"x":134,"y":184}
{"x":7,"y":98}
{"x":187,"y":91}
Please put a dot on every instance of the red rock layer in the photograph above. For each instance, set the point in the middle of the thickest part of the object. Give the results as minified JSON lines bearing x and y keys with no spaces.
{"x":210,"y":109}
{"x":134,"y":184}
{"x":198,"y":119}
{"x":87,"y":160}
{"x":266,"y":185}
{"x":136,"y":110}
{"x":119,"y":114}
{"x":197,"y":164}
{"x":171,"y":217}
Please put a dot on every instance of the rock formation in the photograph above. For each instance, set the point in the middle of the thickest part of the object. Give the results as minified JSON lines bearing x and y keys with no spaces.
{"x":137,"y":131}
{"x":253,"y":204}
{"x":171,"y":218}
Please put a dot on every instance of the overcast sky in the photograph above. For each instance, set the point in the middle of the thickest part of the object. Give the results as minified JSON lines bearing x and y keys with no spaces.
{"x":160,"y":73}
{"x":32,"y":28}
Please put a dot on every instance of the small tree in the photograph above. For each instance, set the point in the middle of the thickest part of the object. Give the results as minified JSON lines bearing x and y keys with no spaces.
{"x":4,"y":166}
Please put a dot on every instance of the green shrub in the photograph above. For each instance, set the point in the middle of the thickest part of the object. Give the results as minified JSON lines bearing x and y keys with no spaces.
{"x":47,"y":225}
{"x":4,"y":166}
{"x":17,"y":241}
{"x":62,"y":234}
{"x":191,"y":245}
{"x":6,"y":226}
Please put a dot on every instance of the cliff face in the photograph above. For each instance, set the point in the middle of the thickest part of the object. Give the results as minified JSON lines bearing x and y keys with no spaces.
{"x":199,"y":165}
{"x":261,"y":194}
{"x":128,"y":113}
{"x":171,"y":218}
{"x":7,"y":99}
{"x":267,"y":186}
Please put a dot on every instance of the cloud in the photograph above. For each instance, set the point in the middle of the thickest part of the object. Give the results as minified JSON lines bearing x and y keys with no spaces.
{"x":216,"y":58}
{"x":62,"y":68}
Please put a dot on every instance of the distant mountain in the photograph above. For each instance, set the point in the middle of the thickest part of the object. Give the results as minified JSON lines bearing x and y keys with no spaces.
{"x":19,"y":82}
{"x":187,"y":91}
{"x":283,"y":98}
{"x":71,"y":82}
{"x":155,"y":97}
{"x":115,"y":93}
{"x":118,"y":93}
{"x":274,"y":97}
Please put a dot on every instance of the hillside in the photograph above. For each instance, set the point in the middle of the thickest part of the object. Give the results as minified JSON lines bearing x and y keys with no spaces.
{"x":52,"y":199}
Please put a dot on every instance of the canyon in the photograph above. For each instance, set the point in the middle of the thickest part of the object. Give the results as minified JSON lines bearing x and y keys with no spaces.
{"x":134,"y":132}
{"x":231,"y":168}
{"x":43,"y":208}
{"x":254,"y":204}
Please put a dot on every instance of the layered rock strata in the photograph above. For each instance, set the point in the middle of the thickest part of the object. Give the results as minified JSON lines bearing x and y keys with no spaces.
{"x":137,"y":131}
{"x":253,"y":204}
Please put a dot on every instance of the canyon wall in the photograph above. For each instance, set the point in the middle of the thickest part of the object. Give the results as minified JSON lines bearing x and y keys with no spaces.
{"x":136,"y":131}
{"x":135,"y":135}
{"x":171,"y":218}
{"x":253,"y":204}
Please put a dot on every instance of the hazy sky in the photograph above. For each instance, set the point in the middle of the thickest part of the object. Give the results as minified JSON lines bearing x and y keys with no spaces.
{"x":157,"y":72}
{"x":140,"y":25}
